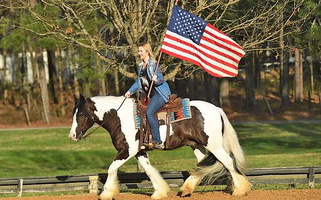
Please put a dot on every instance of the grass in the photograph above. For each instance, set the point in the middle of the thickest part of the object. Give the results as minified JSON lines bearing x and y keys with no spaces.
{"x":281,"y":145}
{"x":49,"y":152}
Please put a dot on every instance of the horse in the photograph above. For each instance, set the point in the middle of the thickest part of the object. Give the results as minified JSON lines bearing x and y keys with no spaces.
{"x":209,"y":133}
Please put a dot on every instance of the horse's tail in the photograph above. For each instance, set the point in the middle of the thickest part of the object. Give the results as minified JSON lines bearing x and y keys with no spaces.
{"x":231,"y":144}
{"x":209,"y":168}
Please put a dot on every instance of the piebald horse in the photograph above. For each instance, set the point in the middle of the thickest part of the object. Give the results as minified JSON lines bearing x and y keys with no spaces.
{"x":209,"y":133}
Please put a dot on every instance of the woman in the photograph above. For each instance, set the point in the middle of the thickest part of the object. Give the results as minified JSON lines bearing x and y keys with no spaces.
{"x":160,"y":91}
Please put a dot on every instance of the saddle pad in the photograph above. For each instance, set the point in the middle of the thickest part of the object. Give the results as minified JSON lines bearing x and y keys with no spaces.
{"x":184,"y":113}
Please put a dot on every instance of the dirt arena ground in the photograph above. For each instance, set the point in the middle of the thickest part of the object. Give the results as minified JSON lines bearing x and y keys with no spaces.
{"x":291,"y":194}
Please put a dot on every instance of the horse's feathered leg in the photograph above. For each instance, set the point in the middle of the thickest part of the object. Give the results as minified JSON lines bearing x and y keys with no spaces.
{"x":192,"y":181}
{"x":226,"y":148}
{"x":223,"y":147}
{"x":159,"y":184}
{"x":241,"y":185}
{"x":232,"y":146}
{"x":189,"y":185}
{"x":111,"y":187}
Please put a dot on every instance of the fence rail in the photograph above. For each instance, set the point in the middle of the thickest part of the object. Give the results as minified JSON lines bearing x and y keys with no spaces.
{"x":94,"y":182}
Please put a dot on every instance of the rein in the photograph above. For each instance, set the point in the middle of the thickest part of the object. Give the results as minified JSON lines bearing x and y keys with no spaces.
{"x":87,"y":134}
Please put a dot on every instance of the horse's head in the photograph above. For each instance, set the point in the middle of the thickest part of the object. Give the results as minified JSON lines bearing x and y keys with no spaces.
{"x":82,"y":119}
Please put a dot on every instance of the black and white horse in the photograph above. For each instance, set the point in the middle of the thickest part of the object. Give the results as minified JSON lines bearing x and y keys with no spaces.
{"x":208,"y":132}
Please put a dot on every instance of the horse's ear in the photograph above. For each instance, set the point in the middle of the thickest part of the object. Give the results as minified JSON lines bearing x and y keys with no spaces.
{"x":82,"y":98}
{"x":75,"y":98}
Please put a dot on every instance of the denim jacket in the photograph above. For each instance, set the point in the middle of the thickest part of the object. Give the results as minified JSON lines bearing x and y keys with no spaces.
{"x":160,"y":85}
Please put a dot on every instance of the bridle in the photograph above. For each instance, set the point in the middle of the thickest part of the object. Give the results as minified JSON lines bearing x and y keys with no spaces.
{"x":92,"y":118}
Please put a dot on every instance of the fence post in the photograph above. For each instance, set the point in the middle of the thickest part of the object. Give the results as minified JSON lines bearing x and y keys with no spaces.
{"x":311,"y":177}
{"x":93,"y":184}
{"x":20,"y":186}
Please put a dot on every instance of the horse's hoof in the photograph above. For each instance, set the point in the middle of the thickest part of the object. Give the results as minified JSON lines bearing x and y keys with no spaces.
{"x":238,"y":193}
{"x":108,"y":195}
{"x":159,"y":195}
{"x":184,"y":194}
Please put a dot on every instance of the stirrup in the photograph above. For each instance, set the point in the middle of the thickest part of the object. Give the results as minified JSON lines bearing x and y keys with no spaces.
{"x":158,"y":145}
{"x":148,"y":145}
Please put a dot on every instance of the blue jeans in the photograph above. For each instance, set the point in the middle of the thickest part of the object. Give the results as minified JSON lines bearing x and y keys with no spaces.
{"x":156,"y":102}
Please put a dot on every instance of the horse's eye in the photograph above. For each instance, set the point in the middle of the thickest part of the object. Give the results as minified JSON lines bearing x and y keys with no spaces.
{"x":81,"y":115}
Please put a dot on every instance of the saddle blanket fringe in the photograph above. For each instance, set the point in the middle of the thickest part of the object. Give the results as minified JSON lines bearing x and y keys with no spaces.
{"x":184,"y":113}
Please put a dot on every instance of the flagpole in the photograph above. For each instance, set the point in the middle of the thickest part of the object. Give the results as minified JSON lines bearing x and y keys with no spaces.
{"x":151,"y":85}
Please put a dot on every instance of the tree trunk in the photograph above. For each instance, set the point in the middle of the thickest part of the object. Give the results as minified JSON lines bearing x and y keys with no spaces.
{"x":284,"y":72}
{"x":16,"y":82}
{"x":285,"y":83}
{"x":202,"y":88}
{"x":298,"y":76}
{"x":43,"y":86}
{"x":311,"y":74}
{"x":102,"y":81}
{"x":108,"y":83}
{"x":33,"y":62}
{"x":116,"y":76}
{"x":258,"y":74}
{"x":73,"y":68}
{"x":206,"y":88}
{"x":25,"y":91}
{"x":4,"y":78}
{"x":214,"y":88}
{"x":53,"y":80}
{"x":36,"y":91}
{"x":62,"y":93}
{"x":249,"y":84}
{"x":224,"y":92}
{"x":191,"y":86}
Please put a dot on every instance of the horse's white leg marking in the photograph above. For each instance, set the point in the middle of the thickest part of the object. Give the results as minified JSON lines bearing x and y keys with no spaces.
{"x":159,"y":184}
{"x":192,"y":181}
{"x":111,"y":187}
{"x":199,"y":155}
{"x":211,"y":123}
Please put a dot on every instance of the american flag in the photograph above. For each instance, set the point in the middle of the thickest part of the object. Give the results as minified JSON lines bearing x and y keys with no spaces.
{"x":191,"y":38}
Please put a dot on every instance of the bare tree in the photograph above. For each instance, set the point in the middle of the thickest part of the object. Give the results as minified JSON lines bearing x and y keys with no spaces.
{"x":252,"y":24}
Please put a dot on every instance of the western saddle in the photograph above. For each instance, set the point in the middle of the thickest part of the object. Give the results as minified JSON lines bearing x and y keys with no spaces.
{"x":174,"y":104}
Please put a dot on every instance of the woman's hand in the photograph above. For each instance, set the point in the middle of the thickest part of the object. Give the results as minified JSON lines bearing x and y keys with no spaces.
{"x":154,"y":78}
{"x":127,"y":94}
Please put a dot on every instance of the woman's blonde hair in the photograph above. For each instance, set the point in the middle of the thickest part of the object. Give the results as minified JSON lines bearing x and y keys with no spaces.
{"x":148,"y":48}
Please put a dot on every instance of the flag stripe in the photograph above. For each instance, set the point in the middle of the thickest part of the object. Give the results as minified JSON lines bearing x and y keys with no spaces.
{"x":211,"y":71}
{"x":213,"y":48}
{"x":201,"y":55}
{"x":198,"y":61}
{"x":228,"y":48}
{"x":208,"y":41}
{"x":213,"y":53}
{"x":221,"y":37}
{"x":186,"y":50}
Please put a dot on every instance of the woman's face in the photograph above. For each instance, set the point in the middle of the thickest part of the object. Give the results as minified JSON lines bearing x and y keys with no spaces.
{"x":143,"y":54}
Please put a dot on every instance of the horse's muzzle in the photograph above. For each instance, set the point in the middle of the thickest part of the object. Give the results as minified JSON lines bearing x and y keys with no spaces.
{"x":73,"y":137}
